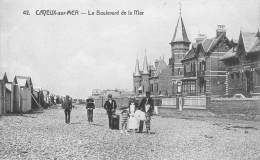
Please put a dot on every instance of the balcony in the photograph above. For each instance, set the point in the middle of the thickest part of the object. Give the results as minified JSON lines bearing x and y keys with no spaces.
{"x":200,"y":73}
{"x":189,"y":74}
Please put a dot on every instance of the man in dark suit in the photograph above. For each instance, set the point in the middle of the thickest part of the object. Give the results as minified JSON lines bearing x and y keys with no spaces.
{"x":90,"y":107}
{"x":110,"y":106}
{"x":67,"y":106}
{"x":146,"y":106}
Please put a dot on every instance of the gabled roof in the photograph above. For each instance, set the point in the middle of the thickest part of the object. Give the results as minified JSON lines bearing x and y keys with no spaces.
{"x":180,"y":34}
{"x":161,"y":65}
{"x":190,"y":54}
{"x":256,"y":46}
{"x":3,"y":77}
{"x":206,"y":46}
{"x":251,"y":41}
{"x":207,"y":43}
{"x":23,"y":81}
{"x":230,"y":54}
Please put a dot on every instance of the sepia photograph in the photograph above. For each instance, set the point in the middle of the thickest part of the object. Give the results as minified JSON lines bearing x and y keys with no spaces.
{"x":130,"y":79}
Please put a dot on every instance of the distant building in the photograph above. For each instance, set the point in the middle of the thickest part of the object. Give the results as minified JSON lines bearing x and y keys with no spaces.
{"x":116,"y":93}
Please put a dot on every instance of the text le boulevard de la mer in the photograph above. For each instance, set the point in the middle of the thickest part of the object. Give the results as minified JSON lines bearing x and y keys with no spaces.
{"x":122,"y":12}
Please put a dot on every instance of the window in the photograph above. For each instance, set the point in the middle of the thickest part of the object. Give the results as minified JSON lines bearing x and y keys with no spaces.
{"x":184,"y":69}
{"x":179,"y":71}
{"x":192,"y":87}
{"x":156,"y":87}
{"x":238,"y":75}
{"x":232,"y":76}
{"x":204,"y":65}
{"x":187,"y":67}
{"x":184,"y":87}
{"x":151,"y":87}
{"x":257,"y":76}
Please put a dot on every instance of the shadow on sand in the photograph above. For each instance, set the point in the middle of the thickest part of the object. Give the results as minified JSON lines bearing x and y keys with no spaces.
{"x":96,"y":124}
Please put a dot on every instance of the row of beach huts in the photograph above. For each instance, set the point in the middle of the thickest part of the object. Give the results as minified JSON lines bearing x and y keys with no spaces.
{"x":19,"y":96}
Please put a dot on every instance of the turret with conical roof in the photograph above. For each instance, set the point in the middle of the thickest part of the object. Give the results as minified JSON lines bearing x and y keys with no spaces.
{"x":137,"y":69}
{"x":180,"y":34}
{"x":258,"y":34}
{"x":137,"y":78}
{"x":179,"y":46}
{"x":145,"y":66}
{"x":145,"y":76}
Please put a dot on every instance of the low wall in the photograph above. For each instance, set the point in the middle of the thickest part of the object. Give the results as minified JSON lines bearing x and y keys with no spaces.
{"x":169,"y":102}
{"x":246,"y":106}
{"x":195,"y":102}
{"x":190,"y":102}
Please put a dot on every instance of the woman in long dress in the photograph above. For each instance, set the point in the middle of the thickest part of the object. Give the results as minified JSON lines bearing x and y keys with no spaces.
{"x":132,"y":121}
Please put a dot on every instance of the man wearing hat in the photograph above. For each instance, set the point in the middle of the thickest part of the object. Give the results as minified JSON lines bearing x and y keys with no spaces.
{"x":110,"y":106}
{"x":67,"y":106}
{"x":146,"y":106}
{"x":90,"y":106}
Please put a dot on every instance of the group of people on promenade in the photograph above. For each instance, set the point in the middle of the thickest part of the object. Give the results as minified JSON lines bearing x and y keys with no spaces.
{"x":133,"y":116}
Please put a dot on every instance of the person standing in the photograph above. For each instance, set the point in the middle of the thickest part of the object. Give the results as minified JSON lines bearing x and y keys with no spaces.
{"x":124,"y":119}
{"x":110,"y":106}
{"x":133,"y":122}
{"x":90,"y":107}
{"x":67,"y":106}
{"x":146,"y":106}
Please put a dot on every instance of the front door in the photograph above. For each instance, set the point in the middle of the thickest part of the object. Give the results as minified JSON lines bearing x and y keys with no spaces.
{"x":249,"y":82}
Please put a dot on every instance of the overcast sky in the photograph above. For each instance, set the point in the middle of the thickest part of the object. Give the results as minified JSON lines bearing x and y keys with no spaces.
{"x":75,"y":54}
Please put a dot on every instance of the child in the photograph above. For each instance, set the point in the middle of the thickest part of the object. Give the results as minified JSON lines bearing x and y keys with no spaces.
{"x":90,"y":107}
{"x":124,"y":119}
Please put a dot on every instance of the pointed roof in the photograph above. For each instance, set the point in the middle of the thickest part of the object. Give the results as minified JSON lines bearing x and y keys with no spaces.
{"x":180,"y":34}
{"x":23,"y":81}
{"x":145,"y":66}
{"x":3,"y":77}
{"x":161,"y":65}
{"x":250,"y":41}
{"x":258,"y":34}
{"x":137,"y":70}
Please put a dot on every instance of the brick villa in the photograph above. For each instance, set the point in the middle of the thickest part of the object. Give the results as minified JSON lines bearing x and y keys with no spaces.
{"x":214,"y":66}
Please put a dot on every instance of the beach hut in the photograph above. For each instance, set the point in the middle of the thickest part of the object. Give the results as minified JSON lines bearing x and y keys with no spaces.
{"x":4,"y":97}
{"x":22,"y":91}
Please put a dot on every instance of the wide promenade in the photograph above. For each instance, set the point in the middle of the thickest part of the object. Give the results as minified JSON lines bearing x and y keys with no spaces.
{"x":44,"y":135}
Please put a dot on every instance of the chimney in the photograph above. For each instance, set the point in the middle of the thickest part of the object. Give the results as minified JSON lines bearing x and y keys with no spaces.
{"x":200,"y":38}
{"x":221,"y":29}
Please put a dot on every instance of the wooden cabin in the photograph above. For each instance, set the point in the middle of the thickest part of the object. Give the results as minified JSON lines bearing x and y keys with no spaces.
{"x":22,"y":88}
{"x":4,"y":94}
